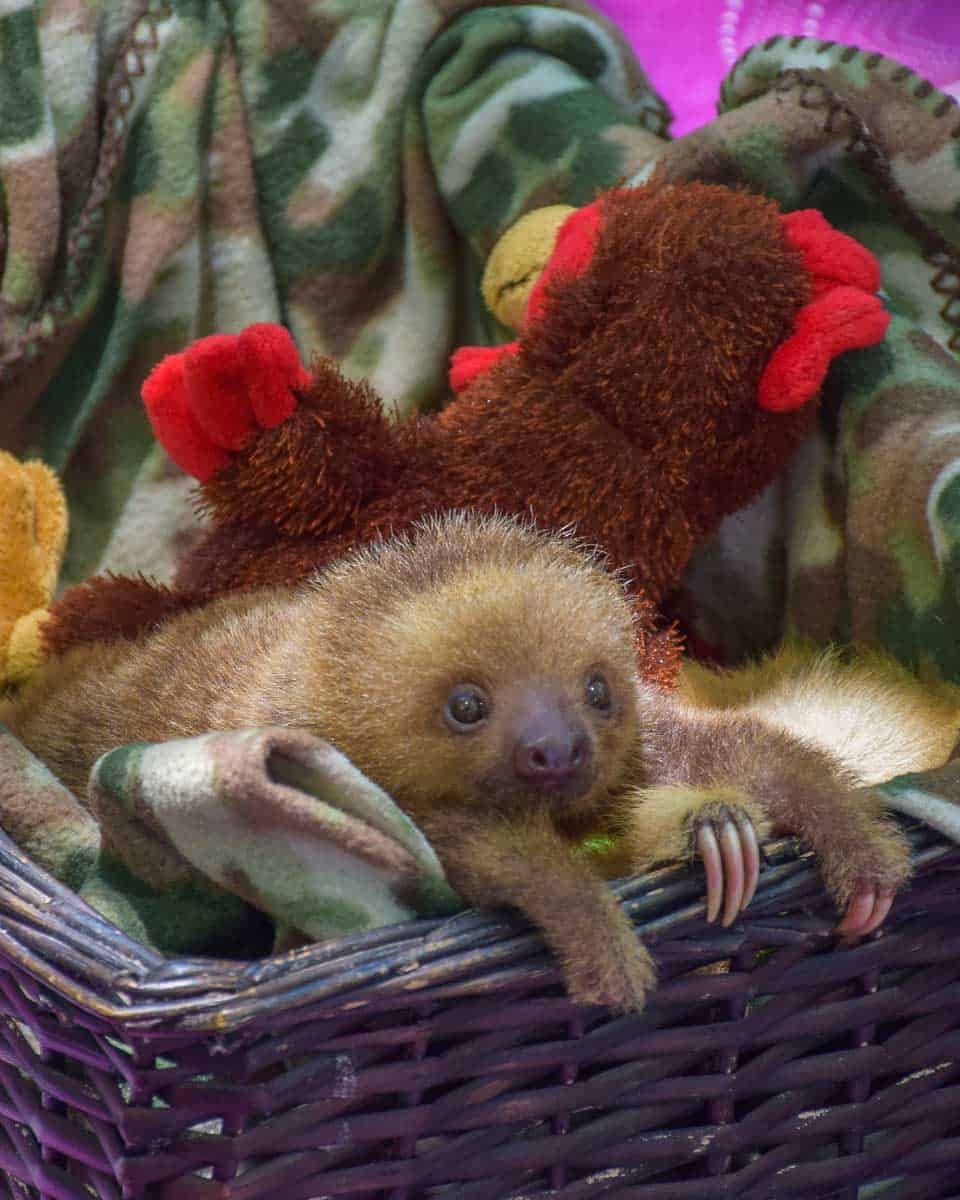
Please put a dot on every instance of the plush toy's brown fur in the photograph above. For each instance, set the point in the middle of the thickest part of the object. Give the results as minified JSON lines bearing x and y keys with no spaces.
{"x":630,"y":412}
{"x":370,"y":655}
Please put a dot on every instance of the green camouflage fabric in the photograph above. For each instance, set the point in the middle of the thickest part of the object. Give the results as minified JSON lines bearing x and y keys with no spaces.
{"x":172,"y":168}
{"x":274,"y":816}
{"x":229,"y":843}
{"x":42,"y":817}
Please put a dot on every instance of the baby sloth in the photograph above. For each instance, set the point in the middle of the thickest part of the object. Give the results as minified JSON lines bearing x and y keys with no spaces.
{"x":486,"y":676}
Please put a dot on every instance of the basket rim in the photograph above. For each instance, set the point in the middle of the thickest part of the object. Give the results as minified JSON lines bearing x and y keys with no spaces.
{"x":58,"y":939}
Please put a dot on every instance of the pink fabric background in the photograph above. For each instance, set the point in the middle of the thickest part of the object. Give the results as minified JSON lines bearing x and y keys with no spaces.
{"x":687,"y":46}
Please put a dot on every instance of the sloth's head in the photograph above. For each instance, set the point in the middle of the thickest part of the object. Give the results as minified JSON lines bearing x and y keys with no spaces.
{"x":486,"y":664}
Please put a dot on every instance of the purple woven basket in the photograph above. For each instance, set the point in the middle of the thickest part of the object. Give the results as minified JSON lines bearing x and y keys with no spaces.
{"x":441,"y":1059}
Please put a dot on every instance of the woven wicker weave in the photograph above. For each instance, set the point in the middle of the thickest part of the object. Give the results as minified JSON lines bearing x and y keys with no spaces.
{"x":442,"y":1059}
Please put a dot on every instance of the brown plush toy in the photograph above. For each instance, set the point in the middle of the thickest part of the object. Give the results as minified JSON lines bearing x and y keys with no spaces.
{"x":661,"y":380}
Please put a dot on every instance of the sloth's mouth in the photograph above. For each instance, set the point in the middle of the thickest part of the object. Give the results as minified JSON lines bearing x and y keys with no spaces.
{"x":567,"y":799}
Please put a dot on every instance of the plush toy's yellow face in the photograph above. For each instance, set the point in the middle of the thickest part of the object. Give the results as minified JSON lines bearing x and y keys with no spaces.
{"x":517,"y":261}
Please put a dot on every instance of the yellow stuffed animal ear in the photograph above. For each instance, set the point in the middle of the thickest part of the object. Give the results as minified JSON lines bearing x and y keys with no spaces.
{"x":33,"y":534}
{"x":517,"y":261}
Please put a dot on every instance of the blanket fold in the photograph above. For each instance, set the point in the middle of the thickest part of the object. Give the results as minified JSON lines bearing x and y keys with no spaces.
{"x":226,"y":843}
{"x":274,"y":816}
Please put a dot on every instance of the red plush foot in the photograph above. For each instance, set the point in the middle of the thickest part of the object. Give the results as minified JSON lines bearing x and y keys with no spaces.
{"x":174,"y":425}
{"x":841,"y":319}
{"x":830,"y":256}
{"x":215,"y":388}
{"x":208,"y":402}
{"x":844,"y":313}
{"x":273,"y":371}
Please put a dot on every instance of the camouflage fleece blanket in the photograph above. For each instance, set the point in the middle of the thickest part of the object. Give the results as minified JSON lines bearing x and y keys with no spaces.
{"x":171,"y":168}
{"x":189,"y":845}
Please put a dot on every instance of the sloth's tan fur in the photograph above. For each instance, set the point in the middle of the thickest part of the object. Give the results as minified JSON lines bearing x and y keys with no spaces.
{"x":366,"y":655}
{"x":865,"y":708}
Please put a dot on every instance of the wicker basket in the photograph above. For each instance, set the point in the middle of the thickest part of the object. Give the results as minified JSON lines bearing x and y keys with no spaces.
{"x":443,"y":1060}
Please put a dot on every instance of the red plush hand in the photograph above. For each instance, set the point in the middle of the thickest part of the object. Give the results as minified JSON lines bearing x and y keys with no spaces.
{"x":469,"y":362}
{"x":209,"y":401}
{"x":843,"y":318}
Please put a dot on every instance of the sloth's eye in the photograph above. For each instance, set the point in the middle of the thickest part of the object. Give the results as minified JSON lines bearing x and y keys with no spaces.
{"x":598,"y":692}
{"x":466,"y":707}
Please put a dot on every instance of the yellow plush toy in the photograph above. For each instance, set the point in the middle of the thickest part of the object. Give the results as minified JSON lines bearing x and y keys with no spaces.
{"x":33,"y":533}
{"x":517,"y":261}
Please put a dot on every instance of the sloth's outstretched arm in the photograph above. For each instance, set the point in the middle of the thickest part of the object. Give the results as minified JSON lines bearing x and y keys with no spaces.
{"x":524,"y":862}
{"x":715,"y":782}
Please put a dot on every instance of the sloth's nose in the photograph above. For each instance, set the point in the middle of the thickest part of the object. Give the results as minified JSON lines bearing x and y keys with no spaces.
{"x":551,"y":749}
{"x":551,"y":761}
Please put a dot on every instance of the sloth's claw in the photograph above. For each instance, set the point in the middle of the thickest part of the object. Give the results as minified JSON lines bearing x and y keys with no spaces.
{"x":725,"y":839}
{"x":867,"y":910}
